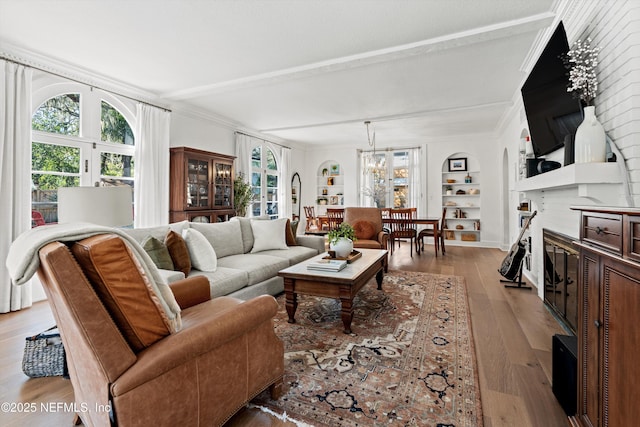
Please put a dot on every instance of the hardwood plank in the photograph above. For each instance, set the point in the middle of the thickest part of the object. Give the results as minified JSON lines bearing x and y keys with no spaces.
{"x":512,"y":335}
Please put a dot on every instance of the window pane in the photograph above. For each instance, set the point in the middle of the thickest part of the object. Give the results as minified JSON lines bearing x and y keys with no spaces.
{"x":55,"y":158}
{"x":271,"y":161}
{"x":256,"y":158}
{"x":117,"y":165}
{"x":60,"y":114}
{"x":114,"y":127}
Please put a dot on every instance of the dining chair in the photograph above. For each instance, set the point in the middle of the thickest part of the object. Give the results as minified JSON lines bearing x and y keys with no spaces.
{"x":429,"y":232}
{"x":310,"y":214}
{"x":403,"y":227}
{"x":335,"y":217}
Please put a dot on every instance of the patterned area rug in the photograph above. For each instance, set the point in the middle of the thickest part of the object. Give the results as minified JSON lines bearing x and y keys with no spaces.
{"x":410,"y":360}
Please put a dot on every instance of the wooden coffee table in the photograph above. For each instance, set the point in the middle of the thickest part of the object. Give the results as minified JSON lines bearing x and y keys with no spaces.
{"x":344,"y":285}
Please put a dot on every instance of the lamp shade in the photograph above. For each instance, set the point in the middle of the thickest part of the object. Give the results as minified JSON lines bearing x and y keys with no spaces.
{"x":109,"y":206}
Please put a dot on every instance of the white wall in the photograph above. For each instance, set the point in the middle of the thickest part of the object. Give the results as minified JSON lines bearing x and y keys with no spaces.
{"x":613,"y":27}
{"x":482,"y":149}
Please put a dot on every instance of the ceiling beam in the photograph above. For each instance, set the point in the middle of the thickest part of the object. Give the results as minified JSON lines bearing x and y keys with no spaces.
{"x":449,"y":41}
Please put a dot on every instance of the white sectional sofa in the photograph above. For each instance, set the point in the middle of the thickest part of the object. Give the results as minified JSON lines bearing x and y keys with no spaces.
{"x":245,"y":265}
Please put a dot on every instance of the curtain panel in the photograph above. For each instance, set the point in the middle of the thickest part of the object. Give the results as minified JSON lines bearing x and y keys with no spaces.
{"x":152,"y":166}
{"x":15,"y":174}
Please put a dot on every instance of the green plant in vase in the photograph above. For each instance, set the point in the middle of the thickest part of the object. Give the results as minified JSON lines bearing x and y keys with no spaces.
{"x":341,"y":240}
{"x":242,"y":194}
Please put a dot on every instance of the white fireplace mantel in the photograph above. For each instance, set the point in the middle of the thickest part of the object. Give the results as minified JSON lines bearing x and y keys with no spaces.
{"x":584,"y":176}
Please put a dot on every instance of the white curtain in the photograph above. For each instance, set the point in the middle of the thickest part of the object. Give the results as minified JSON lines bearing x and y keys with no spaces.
{"x":151,"y":174}
{"x":15,"y":174}
{"x":415,"y":189}
{"x":285,"y":179}
{"x":243,"y":154}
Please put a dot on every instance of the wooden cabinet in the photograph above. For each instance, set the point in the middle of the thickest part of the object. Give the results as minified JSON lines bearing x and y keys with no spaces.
{"x":201,"y":187}
{"x":608,"y":332}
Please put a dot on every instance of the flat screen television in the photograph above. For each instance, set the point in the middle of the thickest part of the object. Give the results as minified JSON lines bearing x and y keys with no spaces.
{"x":553,"y":113}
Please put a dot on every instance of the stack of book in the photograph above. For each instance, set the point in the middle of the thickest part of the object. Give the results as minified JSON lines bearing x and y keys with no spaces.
{"x":327,"y":265}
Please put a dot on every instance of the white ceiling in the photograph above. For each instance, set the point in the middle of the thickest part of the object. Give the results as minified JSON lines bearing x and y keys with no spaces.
{"x":302,"y":70}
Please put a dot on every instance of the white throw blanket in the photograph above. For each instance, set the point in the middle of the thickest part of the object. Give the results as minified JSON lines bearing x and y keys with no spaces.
{"x":23,"y":261}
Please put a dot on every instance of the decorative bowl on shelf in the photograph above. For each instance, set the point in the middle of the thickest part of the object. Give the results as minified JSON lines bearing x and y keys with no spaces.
{"x":451,"y":181}
{"x":459,"y":227}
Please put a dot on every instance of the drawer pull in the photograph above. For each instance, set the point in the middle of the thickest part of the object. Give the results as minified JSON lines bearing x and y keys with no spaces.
{"x":599,"y":230}
{"x":597,"y":323}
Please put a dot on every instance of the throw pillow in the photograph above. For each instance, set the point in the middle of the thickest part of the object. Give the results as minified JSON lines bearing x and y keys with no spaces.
{"x":365,"y":230}
{"x":203,"y":256}
{"x":269,"y":234}
{"x":158,"y":253}
{"x":179,"y":252}
{"x":119,"y":280}
{"x":290,"y":231}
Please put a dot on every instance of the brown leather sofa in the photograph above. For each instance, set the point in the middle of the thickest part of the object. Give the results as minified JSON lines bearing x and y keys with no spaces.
{"x":128,"y":367}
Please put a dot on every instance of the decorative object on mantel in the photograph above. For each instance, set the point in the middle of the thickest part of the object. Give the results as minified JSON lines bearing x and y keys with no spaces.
{"x":590,"y":141}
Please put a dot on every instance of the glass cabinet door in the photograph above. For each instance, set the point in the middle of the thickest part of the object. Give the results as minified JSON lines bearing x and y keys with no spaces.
{"x":198,"y":183}
{"x":223,"y":184}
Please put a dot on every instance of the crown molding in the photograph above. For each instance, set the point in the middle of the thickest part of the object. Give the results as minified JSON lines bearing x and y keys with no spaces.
{"x":77,"y":74}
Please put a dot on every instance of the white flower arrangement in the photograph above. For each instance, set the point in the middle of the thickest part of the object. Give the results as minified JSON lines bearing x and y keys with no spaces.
{"x":582,"y":61}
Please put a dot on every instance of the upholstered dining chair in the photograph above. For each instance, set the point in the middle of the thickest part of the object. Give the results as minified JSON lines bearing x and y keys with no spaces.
{"x":429,"y":232}
{"x":335,"y":217}
{"x":403,"y":227}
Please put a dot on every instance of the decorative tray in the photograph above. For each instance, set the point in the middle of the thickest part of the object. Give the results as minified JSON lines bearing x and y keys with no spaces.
{"x":354,"y":255}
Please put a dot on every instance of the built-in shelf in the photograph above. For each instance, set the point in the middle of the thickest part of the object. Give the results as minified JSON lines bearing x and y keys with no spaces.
{"x":576,"y":175}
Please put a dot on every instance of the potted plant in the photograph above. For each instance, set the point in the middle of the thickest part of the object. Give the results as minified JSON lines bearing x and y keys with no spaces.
{"x":341,"y":240}
{"x":242,"y":194}
{"x":322,"y":200}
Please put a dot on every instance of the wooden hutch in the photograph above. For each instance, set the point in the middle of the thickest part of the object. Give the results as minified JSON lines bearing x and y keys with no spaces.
{"x":608,"y":317}
{"x":201,"y":187}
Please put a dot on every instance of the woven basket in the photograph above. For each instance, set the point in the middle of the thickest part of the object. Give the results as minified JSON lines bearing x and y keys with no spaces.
{"x":44,"y":355}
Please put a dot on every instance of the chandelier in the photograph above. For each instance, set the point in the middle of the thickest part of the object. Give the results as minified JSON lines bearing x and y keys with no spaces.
{"x":376,"y":165}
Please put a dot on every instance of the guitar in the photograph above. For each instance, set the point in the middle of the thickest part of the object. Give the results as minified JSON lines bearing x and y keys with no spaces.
{"x":511,"y":263}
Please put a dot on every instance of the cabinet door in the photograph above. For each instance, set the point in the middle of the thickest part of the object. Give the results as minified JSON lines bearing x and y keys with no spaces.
{"x":589,"y":358}
{"x":198,"y":183}
{"x":223,"y":180}
{"x":621,"y":343}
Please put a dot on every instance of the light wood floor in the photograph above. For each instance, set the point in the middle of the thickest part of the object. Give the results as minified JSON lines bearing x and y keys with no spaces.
{"x":512,"y":333}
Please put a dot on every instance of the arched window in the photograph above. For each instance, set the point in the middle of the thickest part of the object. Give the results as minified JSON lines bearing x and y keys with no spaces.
{"x":79,"y":139}
{"x":265,"y":180}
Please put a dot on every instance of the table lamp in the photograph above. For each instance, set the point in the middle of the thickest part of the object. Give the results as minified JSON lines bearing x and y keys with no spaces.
{"x":108,"y":206}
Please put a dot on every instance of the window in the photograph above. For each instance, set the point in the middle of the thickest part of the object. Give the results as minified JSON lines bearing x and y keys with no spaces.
{"x":387,"y":178}
{"x":75,"y":145}
{"x":265,"y":181}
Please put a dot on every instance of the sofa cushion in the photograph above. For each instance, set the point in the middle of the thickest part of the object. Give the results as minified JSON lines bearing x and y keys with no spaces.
{"x":224,"y":237}
{"x":259,"y":267}
{"x":269,"y":234}
{"x":224,"y":281}
{"x":247,"y":232}
{"x":158,"y":252}
{"x":202,"y":255}
{"x":141,"y":234}
{"x":364,"y":229}
{"x":120,"y":281}
{"x":294,"y":254}
{"x":178,"y":252}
